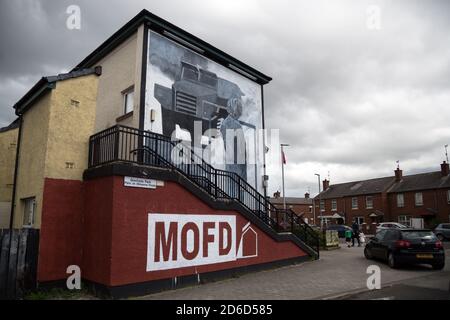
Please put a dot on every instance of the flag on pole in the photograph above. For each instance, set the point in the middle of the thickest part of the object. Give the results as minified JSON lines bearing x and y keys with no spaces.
{"x":283,"y":157}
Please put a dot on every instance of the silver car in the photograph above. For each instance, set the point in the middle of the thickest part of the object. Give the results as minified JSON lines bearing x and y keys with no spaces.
{"x":390,"y":225}
{"x":442,"y":231}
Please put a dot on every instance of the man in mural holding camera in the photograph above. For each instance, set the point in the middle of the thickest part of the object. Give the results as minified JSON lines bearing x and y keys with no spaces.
{"x":233,"y":137}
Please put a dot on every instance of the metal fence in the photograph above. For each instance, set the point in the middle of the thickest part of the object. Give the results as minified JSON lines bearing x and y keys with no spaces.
{"x":126,"y":144}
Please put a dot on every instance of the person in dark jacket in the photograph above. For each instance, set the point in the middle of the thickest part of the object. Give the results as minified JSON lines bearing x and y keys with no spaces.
{"x":355,"y":228}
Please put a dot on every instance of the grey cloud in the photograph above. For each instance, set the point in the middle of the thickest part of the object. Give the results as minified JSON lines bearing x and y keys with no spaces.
{"x":348,"y":99}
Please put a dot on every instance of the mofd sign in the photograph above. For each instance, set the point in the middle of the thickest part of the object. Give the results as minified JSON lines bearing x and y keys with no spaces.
{"x":177,"y":241}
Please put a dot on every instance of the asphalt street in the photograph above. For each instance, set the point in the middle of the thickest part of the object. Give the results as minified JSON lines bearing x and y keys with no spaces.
{"x":339,"y":274}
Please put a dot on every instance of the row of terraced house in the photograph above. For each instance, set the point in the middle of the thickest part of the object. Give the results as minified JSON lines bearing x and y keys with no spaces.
{"x":419,"y":200}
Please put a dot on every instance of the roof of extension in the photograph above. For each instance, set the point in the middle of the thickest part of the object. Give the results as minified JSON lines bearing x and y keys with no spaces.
{"x":48,"y":83}
{"x":12,"y":126}
{"x":177,"y":34}
{"x":292,"y":200}
{"x":422,"y":181}
{"x":355,"y":188}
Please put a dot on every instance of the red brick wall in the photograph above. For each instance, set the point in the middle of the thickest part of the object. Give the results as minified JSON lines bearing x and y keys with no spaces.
{"x":61,"y":235}
{"x":434,"y":199}
{"x":125,"y":228}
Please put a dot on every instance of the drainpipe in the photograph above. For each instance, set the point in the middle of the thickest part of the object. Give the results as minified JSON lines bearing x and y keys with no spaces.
{"x":16,"y":169}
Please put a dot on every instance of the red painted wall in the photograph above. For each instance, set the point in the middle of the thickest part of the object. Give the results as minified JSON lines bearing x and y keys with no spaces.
{"x":125,"y":228}
{"x":61,"y":236}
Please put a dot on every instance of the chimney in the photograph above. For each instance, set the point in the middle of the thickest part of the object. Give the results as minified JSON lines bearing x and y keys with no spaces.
{"x":277,"y":194}
{"x":307,"y":195}
{"x":326,"y":184}
{"x":444,"y":169}
{"x":398,"y":174}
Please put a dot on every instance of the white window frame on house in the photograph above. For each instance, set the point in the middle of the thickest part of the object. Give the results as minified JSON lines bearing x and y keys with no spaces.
{"x":369,"y":202}
{"x":359,"y":220}
{"x":29,"y":212}
{"x":400,"y":203}
{"x":334,"y":205}
{"x":354,"y":203}
{"x":322,"y":206}
{"x":418,"y":199}
{"x":405,"y":220}
{"x":128,"y":104}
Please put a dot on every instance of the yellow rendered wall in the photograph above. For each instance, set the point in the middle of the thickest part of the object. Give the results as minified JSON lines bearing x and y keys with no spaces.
{"x":55,"y":140}
{"x":8,"y":144}
{"x":30,"y":178}
{"x":118,"y":74}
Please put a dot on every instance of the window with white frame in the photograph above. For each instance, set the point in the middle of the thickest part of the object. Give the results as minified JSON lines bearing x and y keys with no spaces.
{"x":359,"y":220}
{"x":29,"y":210}
{"x":405,"y":220}
{"x":400,"y":200}
{"x":128,"y":100}
{"x":418,"y":198}
{"x":322,"y":205}
{"x":369,"y":202}
{"x":334,"y":205}
{"x":354,"y":203}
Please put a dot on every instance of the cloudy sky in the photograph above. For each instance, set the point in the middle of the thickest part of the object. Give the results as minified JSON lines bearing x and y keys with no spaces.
{"x":351,"y":93}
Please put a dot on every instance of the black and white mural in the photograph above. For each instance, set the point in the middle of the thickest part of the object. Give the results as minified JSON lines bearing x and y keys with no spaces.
{"x":198,"y":100}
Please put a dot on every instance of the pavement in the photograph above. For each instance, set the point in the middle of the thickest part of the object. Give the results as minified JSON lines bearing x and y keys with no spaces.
{"x":339,"y":274}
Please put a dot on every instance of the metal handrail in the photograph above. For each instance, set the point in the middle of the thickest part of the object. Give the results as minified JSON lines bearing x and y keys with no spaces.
{"x":126,"y":144}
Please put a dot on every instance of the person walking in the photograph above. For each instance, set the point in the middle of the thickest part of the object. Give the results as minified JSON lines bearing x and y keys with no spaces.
{"x":355,"y":228}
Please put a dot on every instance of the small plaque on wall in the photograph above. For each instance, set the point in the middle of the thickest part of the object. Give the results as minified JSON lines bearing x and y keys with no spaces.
{"x":139,"y":183}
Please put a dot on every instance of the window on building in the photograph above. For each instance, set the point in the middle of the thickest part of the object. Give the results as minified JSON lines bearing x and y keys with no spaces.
{"x":418,"y":199}
{"x":448,"y":196}
{"x":405,"y":220}
{"x":334,"y":205}
{"x":400,"y":200}
{"x":354,"y":203}
{"x":369,"y":202}
{"x":322,"y":205}
{"x":359,"y":220}
{"x":128,"y":100}
{"x":29,"y":210}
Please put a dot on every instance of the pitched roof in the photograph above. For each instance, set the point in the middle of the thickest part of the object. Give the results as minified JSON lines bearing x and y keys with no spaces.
{"x":292,"y":201}
{"x":13,"y":125}
{"x":355,"y":188}
{"x":421,"y":181}
{"x":48,"y":83}
{"x":160,"y":25}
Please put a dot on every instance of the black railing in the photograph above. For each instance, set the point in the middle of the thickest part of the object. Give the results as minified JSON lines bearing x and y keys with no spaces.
{"x":125,"y":144}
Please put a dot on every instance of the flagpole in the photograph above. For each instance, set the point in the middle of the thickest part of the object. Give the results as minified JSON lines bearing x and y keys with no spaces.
{"x":283,"y":159}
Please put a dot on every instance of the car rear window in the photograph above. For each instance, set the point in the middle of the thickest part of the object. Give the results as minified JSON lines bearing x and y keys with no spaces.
{"x":445,"y":226}
{"x":410,"y":235}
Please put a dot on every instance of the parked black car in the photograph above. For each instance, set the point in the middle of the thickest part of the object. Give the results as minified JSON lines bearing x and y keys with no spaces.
{"x":340,"y":228}
{"x":406,"y":246}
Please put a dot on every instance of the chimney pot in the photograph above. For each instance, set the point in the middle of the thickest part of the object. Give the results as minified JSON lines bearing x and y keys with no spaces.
{"x":307,"y":195}
{"x":326,"y":184}
{"x":444,"y":169}
{"x":398,"y":174}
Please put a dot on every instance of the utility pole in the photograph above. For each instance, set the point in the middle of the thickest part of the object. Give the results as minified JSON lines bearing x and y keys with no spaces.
{"x":320,"y":201}
{"x":283,"y":162}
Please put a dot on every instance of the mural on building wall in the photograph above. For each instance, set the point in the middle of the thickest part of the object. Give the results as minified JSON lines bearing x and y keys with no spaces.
{"x":186,"y":89}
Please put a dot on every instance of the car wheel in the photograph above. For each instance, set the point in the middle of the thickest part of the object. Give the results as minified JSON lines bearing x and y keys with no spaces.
{"x":391,"y":261}
{"x":368,"y":254}
{"x":440,"y":237}
{"x":438,"y":266}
